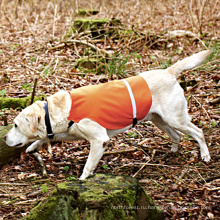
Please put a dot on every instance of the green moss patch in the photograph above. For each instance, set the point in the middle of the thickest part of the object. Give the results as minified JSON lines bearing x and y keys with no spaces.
{"x":16,"y":102}
{"x":87,"y":12}
{"x":99,"y":197}
{"x":97,"y":27}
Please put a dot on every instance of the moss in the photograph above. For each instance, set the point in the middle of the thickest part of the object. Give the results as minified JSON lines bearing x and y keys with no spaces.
{"x":17,"y":102}
{"x":97,"y":27}
{"x":99,"y":197}
{"x":45,"y":208}
{"x":87,"y":12}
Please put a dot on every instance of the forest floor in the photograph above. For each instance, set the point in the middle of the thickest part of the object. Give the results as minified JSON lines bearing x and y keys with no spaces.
{"x":33,"y":45}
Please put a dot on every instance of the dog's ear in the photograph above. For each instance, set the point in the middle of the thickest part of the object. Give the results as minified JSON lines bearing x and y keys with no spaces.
{"x":34,"y":120}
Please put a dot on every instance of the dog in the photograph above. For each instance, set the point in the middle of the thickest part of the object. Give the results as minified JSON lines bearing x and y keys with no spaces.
{"x":43,"y":121}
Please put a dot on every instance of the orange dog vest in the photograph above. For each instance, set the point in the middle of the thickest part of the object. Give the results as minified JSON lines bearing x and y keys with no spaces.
{"x":113,"y":105}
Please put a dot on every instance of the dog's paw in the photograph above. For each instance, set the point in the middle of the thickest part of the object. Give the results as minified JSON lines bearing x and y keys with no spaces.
{"x":30,"y":149}
{"x":82,"y":177}
{"x":174,"y":148}
{"x":206,"y":157}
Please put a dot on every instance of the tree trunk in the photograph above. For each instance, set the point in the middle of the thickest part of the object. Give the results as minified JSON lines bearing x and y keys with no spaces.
{"x":8,"y":153}
{"x":99,"y":197}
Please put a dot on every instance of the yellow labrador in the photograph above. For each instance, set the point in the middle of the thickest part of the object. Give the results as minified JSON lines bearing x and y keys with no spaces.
{"x":168,"y":112}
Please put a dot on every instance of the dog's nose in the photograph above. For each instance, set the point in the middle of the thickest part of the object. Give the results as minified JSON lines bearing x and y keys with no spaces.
{"x":5,"y":137}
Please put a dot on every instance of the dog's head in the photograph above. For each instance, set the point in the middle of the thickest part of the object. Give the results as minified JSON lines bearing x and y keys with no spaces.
{"x":28,"y":126}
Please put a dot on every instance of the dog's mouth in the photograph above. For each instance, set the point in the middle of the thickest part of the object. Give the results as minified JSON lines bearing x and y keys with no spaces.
{"x":18,"y":145}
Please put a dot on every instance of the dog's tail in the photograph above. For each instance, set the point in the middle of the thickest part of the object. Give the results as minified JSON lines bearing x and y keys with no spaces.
{"x":189,"y":62}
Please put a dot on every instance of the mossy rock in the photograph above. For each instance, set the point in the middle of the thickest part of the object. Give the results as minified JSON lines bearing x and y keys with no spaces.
{"x":99,"y":197}
{"x":8,"y":153}
{"x":97,"y":27}
{"x":87,"y":12}
{"x":17,"y":102}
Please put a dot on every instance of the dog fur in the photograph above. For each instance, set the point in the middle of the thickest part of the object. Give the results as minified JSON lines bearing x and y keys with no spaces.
{"x":168,"y":112}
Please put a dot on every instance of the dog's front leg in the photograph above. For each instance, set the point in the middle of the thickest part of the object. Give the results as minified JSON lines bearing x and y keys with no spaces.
{"x":41,"y":162}
{"x":34,"y":147}
{"x":95,"y":154}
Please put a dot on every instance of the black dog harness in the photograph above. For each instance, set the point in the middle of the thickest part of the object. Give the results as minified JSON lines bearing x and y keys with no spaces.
{"x":50,"y":133}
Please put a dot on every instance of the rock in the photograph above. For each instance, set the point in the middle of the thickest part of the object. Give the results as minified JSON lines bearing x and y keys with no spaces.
{"x":99,"y":197}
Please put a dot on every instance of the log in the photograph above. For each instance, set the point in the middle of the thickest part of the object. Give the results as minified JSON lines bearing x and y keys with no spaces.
{"x":14,"y":103}
{"x":102,"y":196}
{"x":8,"y":153}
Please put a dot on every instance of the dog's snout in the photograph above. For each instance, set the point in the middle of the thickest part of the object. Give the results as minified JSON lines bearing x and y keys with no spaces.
{"x":5,"y":137}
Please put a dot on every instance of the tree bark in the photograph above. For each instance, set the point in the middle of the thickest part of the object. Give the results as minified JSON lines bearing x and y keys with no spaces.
{"x":99,"y":197}
{"x":8,"y":153}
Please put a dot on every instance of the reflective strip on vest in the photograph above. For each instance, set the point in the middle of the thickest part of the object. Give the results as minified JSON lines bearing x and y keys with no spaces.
{"x":132,"y":98}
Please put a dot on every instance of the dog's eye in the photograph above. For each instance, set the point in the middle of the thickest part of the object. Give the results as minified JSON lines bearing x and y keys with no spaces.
{"x":16,"y":125}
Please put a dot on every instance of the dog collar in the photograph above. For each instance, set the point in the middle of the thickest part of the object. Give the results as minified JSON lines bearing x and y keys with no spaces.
{"x":50,"y":133}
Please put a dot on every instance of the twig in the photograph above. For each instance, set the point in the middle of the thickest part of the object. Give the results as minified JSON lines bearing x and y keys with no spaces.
{"x":153,"y":154}
{"x":54,"y":19}
{"x":4,"y":117}
{"x":178,"y":181}
{"x":101,"y":51}
{"x":33,"y":92}
{"x":191,"y":15}
{"x":35,"y":193}
{"x":140,"y":143}
{"x":16,"y":195}
{"x":201,"y":15}
{"x":25,"y":202}
{"x":121,"y":151}
{"x":214,"y":189}
{"x":209,"y":189}
{"x":154,"y":164}
{"x":15,"y":184}
{"x":57,"y":47}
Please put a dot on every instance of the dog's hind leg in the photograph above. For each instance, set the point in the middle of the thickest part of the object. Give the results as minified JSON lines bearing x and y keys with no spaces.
{"x":197,"y":134}
{"x":173,"y":134}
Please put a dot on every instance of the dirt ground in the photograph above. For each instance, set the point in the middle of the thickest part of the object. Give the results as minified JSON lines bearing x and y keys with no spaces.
{"x":33,"y":45}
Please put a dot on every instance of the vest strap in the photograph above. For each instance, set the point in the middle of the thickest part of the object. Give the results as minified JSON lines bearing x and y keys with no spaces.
{"x":132,"y":102}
